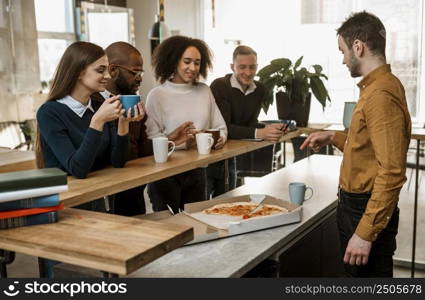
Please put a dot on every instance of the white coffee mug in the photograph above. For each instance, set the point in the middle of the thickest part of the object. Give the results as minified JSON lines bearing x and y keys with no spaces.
{"x":204,"y":141}
{"x":160,"y":149}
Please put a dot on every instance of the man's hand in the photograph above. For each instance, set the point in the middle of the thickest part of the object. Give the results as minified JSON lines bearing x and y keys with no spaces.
{"x":317,"y":140}
{"x":357,"y":252}
{"x":124,"y":120}
{"x":272,"y":132}
{"x":183,"y":133}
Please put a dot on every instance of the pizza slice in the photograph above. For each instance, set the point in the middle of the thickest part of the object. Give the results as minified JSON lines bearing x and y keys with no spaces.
{"x":243,"y":209}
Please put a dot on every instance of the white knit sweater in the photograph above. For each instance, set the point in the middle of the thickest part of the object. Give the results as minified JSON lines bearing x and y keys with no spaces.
{"x":171,"y":104}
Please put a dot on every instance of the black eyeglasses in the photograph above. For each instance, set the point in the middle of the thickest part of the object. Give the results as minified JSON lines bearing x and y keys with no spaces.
{"x":135,"y":73}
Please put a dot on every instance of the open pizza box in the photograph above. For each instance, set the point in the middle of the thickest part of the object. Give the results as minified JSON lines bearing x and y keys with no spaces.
{"x":209,"y":227}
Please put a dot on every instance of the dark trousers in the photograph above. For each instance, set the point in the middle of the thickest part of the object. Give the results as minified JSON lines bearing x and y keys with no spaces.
{"x":177,"y":190}
{"x":130,"y":202}
{"x":349,"y":212}
{"x":216,"y":178}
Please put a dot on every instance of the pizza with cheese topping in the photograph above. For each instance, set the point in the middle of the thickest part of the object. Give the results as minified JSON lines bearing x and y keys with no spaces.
{"x":243,"y":209}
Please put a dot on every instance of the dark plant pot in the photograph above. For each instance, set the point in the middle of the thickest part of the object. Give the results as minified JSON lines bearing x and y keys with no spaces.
{"x":295,"y":110}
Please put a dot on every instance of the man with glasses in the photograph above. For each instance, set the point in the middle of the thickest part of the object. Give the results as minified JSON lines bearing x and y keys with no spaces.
{"x":239,"y":98}
{"x":126,"y":70}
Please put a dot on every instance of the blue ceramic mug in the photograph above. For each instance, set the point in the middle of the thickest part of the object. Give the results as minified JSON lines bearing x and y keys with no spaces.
{"x":297,"y":192}
{"x":128,"y":101}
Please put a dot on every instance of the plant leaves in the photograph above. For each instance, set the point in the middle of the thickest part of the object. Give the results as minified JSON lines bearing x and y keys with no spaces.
{"x":319,"y":91}
{"x":324,"y":76}
{"x":289,"y":88}
{"x":268,"y":100}
{"x":298,"y":62}
{"x":269,"y":84}
{"x":284,"y":63}
{"x":297,"y":84}
{"x":267,"y":71}
{"x":318,"y":69}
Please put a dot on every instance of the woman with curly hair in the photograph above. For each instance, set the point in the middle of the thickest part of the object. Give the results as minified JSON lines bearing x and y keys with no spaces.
{"x":178,"y":64}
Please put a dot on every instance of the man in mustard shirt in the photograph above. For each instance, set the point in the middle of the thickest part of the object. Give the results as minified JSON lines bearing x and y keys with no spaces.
{"x":374,"y":162}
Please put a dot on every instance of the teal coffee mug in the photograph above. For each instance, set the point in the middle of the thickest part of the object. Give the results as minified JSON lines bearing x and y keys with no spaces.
{"x":128,"y":101}
{"x":348,"y":113}
{"x":297,"y":192}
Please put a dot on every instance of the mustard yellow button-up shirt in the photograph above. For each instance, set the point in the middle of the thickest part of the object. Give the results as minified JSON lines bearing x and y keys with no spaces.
{"x":375,"y":148}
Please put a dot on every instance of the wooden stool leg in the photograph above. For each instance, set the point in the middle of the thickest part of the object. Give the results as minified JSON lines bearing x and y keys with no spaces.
{"x":226,"y":175}
{"x":109,"y":275}
{"x":6,"y":257}
{"x":42,"y":270}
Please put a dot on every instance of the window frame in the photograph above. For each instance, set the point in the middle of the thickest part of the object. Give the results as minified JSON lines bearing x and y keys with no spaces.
{"x":90,"y":7}
{"x":69,"y":37}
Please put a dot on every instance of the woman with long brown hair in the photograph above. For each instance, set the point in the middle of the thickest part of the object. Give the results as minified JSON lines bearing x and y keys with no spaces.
{"x":71,"y":135}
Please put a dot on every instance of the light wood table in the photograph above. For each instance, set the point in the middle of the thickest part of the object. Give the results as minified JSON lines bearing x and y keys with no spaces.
{"x":42,"y":240}
{"x":14,"y":160}
{"x":105,"y":242}
{"x":144,"y":170}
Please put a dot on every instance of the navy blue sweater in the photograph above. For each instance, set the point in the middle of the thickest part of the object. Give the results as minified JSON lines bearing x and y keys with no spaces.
{"x":69,"y":144}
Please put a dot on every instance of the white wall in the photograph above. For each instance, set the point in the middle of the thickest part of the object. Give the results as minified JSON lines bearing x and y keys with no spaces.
{"x":181,"y":16}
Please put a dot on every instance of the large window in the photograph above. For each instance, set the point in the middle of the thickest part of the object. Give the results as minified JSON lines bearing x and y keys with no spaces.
{"x":18,"y":51}
{"x":55,"y":27}
{"x":106,"y":24}
{"x":308,"y":27}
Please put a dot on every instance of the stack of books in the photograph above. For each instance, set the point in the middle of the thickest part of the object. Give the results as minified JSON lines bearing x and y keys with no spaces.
{"x":31,"y":197}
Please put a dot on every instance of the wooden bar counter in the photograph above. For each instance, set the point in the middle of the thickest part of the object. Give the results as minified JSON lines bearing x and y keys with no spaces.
{"x":110,"y":243}
{"x":14,"y":160}
{"x":144,"y":170}
{"x":100,"y":241}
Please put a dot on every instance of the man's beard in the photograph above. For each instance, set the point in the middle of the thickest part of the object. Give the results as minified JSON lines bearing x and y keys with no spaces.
{"x":124,"y":88}
{"x":354,"y":66}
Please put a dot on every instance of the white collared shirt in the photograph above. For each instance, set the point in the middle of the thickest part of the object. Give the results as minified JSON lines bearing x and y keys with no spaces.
{"x":106,"y":94}
{"x":75,"y":105}
{"x":235,"y":84}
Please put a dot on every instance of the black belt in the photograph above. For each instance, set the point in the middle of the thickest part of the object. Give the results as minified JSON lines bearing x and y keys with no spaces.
{"x":355,"y":200}
{"x":354,"y":195}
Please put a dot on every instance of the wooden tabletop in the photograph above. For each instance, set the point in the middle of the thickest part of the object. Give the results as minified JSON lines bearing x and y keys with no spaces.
{"x":144,"y":170}
{"x":418,"y":133}
{"x":234,"y":256}
{"x":105,"y":242}
{"x":14,"y":160}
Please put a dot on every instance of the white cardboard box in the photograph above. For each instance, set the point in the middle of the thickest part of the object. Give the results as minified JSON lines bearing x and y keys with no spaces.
{"x":205,"y":232}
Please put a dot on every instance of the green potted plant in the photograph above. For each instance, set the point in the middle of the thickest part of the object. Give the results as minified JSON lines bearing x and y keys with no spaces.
{"x":292,"y":85}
